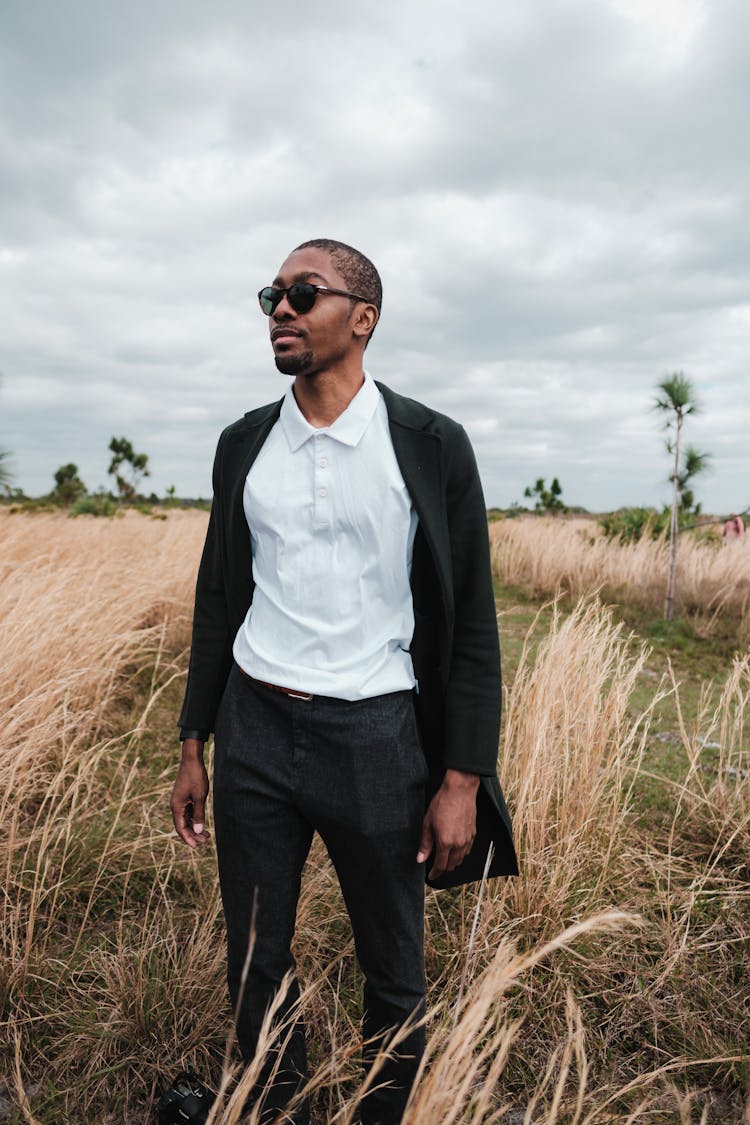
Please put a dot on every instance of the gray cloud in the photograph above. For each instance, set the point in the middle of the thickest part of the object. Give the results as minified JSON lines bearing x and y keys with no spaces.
{"x":555,"y":194}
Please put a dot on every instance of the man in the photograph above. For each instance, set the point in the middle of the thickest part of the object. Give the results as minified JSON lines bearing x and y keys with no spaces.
{"x":345,"y":654}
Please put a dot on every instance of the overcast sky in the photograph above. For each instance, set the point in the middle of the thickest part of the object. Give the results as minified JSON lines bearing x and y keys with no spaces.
{"x":555,"y":193}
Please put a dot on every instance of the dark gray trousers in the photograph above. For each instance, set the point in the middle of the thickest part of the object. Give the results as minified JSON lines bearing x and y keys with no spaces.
{"x":355,"y":773}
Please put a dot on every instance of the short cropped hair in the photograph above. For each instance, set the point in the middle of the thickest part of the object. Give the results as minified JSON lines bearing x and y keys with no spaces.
{"x":358,"y":271}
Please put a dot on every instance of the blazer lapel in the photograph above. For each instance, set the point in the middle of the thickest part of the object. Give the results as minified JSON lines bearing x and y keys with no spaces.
{"x":245,"y":446}
{"x":418,"y":452}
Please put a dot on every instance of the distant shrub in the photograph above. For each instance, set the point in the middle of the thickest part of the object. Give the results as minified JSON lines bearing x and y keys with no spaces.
{"x":19,"y":502}
{"x":546,"y":500}
{"x":95,"y":504}
{"x":68,"y":486}
{"x":631,"y":524}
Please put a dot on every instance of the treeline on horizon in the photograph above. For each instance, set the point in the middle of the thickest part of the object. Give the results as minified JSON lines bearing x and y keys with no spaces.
{"x":71,"y":495}
{"x":675,"y":399}
{"x":69,"y":492}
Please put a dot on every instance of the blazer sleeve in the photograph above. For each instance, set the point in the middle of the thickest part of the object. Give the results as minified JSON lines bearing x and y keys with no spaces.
{"x":474,"y":688}
{"x":211,"y":647}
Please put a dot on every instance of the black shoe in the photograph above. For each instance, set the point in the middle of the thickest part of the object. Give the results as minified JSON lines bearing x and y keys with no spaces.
{"x":186,"y":1102}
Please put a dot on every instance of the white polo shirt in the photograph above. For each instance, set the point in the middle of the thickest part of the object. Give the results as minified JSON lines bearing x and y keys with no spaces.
{"x":332,"y":531}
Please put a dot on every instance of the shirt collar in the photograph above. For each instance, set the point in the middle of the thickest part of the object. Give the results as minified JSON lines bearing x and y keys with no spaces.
{"x":348,"y":427}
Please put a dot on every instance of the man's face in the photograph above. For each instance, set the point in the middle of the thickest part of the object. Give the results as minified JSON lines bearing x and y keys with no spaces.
{"x":304,"y":343}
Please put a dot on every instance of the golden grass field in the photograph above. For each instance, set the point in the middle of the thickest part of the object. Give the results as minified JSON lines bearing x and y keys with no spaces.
{"x":543,"y":554}
{"x":608,"y":983}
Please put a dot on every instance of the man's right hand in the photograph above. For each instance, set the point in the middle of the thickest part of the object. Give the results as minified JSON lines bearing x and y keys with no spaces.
{"x":189,"y":795}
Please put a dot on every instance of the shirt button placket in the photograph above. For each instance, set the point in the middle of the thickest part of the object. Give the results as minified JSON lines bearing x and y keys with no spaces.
{"x":322,"y":483}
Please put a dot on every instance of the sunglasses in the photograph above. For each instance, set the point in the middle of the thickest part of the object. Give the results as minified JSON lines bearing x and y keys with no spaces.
{"x":301,"y":296}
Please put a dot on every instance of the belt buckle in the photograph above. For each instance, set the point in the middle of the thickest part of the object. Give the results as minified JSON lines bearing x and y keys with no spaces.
{"x":299,"y":695}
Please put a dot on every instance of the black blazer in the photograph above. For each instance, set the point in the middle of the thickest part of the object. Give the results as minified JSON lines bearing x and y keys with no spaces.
{"x":455,"y":649}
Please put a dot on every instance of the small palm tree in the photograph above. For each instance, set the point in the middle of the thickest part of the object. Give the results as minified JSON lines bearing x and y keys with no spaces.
{"x":693,"y":463}
{"x":676,"y":398}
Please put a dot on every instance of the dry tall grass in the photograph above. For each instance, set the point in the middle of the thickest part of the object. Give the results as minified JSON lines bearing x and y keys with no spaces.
{"x":572,"y":750}
{"x":92,"y":611}
{"x":717,"y":785}
{"x":545,"y":555}
{"x":585,"y":991}
{"x":80,"y":601}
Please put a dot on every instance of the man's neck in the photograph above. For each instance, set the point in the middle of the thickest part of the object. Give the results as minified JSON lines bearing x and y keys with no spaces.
{"x":323,"y":396}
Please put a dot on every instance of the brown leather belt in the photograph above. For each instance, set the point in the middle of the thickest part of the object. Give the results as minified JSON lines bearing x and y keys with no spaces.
{"x":277,"y":687}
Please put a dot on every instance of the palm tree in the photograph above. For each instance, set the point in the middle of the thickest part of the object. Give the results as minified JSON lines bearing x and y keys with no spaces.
{"x":677,"y":399}
{"x":693,"y":463}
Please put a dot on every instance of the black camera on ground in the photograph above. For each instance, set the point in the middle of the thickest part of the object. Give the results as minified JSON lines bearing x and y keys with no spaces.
{"x":186,"y":1102}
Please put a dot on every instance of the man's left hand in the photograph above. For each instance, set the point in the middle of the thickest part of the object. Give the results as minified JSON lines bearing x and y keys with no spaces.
{"x":450,"y":823}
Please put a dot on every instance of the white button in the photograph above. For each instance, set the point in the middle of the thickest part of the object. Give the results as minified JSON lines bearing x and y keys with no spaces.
{"x":322,"y":492}
{"x":323,"y":462}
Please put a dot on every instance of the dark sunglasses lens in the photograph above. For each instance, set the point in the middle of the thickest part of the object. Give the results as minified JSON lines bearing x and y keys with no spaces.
{"x":269,"y":299}
{"x":301,"y":296}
